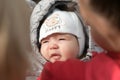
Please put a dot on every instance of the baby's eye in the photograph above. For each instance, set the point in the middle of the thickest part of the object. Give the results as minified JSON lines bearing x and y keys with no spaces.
{"x":62,"y":38}
{"x":44,"y":42}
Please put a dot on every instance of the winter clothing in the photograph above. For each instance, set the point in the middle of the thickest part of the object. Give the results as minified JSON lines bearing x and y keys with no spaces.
{"x":101,"y":67}
{"x":63,"y":22}
{"x":39,"y":14}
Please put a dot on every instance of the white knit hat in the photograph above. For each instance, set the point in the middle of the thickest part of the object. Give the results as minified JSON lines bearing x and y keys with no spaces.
{"x":63,"y":22}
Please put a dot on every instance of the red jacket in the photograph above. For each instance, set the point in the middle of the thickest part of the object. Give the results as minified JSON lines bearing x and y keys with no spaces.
{"x":101,"y":67}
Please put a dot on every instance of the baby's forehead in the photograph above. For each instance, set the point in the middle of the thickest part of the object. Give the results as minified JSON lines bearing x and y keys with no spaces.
{"x":60,"y":35}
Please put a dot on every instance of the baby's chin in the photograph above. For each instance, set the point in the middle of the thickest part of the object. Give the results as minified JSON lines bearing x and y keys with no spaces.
{"x":57,"y":59}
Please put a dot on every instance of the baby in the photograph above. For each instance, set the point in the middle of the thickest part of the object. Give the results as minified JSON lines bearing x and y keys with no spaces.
{"x":61,"y":36}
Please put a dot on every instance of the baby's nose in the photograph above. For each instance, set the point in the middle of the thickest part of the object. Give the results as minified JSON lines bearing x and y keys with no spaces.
{"x":53,"y":45}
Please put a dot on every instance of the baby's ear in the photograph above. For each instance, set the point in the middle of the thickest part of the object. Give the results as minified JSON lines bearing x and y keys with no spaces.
{"x":31,"y":3}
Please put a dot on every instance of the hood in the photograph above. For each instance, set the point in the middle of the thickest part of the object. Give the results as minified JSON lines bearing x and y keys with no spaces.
{"x":40,"y":12}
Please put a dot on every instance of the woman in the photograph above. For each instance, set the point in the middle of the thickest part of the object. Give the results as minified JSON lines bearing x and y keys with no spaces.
{"x":14,"y":39}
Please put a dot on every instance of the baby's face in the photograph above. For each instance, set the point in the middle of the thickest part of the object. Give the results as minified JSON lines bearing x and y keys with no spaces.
{"x":59,"y":47}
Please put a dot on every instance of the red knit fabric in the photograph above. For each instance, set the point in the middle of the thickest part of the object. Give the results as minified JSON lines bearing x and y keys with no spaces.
{"x":101,"y":67}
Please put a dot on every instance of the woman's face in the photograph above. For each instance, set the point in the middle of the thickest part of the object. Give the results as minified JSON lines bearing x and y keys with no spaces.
{"x":59,"y":47}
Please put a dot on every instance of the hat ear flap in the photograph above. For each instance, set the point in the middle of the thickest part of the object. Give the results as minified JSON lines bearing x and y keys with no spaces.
{"x":86,"y":34}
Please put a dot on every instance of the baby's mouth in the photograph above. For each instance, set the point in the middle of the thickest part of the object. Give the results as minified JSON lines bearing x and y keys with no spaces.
{"x":55,"y":56}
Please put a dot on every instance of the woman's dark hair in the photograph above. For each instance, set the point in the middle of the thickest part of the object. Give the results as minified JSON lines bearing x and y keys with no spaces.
{"x":108,"y":8}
